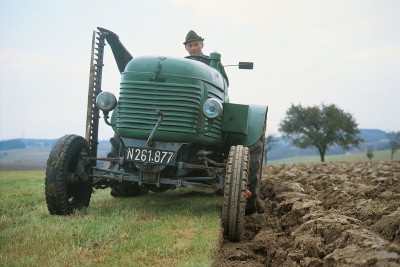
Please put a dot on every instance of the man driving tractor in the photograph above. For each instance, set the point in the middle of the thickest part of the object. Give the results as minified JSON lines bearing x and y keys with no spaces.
{"x":194,"y":45}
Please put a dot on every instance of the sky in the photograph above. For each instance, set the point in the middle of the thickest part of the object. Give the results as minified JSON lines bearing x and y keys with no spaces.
{"x":305,"y":52}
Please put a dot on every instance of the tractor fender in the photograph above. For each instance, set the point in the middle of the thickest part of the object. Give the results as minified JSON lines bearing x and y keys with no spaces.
{"x":256,"y":119}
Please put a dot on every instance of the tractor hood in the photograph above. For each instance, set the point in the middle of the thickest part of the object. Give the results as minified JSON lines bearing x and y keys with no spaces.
{"x":166,"y":69}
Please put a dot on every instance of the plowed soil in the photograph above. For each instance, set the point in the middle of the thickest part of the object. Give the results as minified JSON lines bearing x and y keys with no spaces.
{"x":322,"y":214}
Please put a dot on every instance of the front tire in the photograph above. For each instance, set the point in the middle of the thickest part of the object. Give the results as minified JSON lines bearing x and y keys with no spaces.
{"x":68,"y":182}
{"x":235,"y":189}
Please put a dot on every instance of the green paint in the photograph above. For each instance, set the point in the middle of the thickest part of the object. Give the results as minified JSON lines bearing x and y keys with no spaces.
{"x":179,"y":87}
{"x":235,"y":118}
{"x":257,"y":115}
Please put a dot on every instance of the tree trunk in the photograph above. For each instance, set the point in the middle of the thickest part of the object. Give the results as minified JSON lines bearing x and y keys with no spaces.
{"x":321,"y":151}
{"x":322,"y":155}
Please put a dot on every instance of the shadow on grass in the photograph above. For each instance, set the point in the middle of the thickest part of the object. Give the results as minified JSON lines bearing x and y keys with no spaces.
{"x":198,"y":194}
{"x":180,"y":202}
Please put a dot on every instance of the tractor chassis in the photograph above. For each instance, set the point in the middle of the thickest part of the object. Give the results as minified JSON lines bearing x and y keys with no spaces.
{"x":102,"y":176}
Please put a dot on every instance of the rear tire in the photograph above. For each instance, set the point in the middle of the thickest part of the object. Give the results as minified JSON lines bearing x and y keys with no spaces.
{"x":64,"y":194}
{"x":235,"y":189}
{"x":155,"y":189}
{"x":256,"y":161}
{"x":255,"y":172}
{"x":127,"y":189}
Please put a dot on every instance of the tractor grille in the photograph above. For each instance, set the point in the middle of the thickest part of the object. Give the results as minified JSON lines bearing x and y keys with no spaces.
{"x":179,"y":102}
{"x":216,"y":128}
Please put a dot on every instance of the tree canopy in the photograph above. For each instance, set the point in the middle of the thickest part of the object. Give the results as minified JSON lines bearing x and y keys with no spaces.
{"x":320,"y":127}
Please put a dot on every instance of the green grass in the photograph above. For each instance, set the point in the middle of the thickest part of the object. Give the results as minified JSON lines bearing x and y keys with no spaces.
{"x":174,"y":228}
{"x":378,"y":156}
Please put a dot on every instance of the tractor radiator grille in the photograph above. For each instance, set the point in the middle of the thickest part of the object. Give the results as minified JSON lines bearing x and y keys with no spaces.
{"x":179,"y":102}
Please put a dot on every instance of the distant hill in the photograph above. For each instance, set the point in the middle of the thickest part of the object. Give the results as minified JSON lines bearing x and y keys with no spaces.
{"x":374,"y":139}
{"x":12,"y":144}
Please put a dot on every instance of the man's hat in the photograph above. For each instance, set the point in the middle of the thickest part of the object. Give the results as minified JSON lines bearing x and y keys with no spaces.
{"x":192,"y":36}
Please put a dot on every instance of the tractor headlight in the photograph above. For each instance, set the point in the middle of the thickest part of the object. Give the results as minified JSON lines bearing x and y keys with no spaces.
{"x":106,"y":101}
{"x":212,"y":108}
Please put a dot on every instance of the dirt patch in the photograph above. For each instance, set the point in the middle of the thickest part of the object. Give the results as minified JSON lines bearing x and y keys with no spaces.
{"x":322,"y":214}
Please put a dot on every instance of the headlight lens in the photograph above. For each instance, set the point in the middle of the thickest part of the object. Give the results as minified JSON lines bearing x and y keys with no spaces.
{"x":212,"y":108}
{"x":106,"y":101}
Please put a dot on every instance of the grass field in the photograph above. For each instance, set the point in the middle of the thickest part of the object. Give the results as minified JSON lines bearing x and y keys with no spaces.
{"x":378,"y":156}
{"x":174,"y":228}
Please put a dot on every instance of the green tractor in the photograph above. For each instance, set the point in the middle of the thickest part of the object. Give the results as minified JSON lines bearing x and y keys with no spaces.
{"x":174,"y":127}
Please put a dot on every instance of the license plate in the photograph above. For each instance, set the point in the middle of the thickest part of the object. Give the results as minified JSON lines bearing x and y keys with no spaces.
{"x":150,"y":155}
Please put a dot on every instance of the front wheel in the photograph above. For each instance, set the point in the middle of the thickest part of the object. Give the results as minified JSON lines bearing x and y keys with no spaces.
{"x":68,"y":182}
{"x":235,"y":189}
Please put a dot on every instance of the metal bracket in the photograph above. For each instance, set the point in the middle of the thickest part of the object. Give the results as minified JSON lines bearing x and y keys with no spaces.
{"x":159,"y":112}
{"x":106,"y":120}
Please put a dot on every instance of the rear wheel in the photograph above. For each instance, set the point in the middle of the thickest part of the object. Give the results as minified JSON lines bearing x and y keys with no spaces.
{"x":256,"y":160}
{"x":127,"y":189}
{"x":235,"y":189}
{"x":114,"y":141}
{"x":68,"y":182}
{"x":155,"y":189}
{"x":255,"y":172}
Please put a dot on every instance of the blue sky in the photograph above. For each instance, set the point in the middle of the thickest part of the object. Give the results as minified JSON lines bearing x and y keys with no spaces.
{"x":308,"y":52}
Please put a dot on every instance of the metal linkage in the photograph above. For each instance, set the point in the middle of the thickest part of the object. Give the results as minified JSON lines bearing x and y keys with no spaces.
{"x":203,"y":157}
{"x":102,"y":159}
{"x":96,"y":67}
{"x":184,"y":165}
{"x":101,"y":178}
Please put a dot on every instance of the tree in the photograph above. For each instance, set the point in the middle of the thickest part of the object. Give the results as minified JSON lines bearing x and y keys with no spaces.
{"x":269,"y":143}
{"x":370,"y":155}
{"x":394,"y":141}
{"x":320,"y":127}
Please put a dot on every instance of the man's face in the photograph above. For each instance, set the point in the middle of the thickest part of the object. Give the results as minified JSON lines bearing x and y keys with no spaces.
{"x":194,"y":47}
